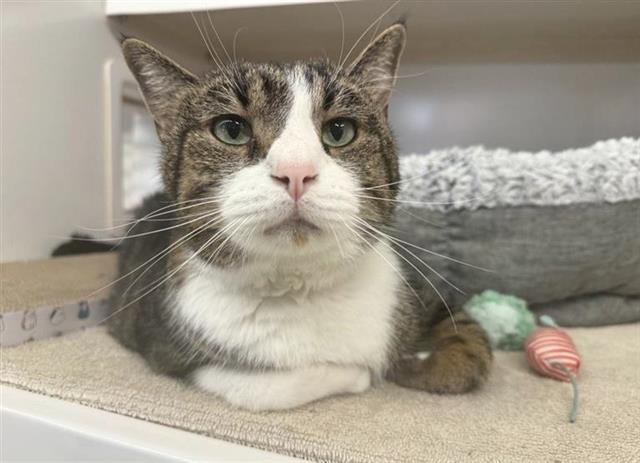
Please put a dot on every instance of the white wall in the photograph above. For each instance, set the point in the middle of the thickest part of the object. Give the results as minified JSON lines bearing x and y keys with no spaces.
{"x":520,"y":106}
{"x":52,"y":123}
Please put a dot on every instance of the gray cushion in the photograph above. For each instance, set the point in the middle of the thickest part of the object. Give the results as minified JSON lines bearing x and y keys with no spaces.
{"x":579,"y":260}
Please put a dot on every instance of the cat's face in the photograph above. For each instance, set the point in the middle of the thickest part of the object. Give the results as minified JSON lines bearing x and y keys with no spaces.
{"x":278,"y":157}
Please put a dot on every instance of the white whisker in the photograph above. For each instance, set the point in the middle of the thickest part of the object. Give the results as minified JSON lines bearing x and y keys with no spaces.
{"x":419,"y":272}
{"x":169,"y":249}
{"x":397,"y":243}
{"x":165,"y":279}
{"x":342,"y":27}
{"x":375,"y":31}
{"x":387,"y":11}
{"x":160,"y":230}
{"x":393,"y":267}
{"x":442,"y":256}
{"x":405,"y":76}
{"x":218,"y":36}
{"x":156,"y":213}
{"x":234,"y":231}
{"x":206,"y":43}
{"x":198,"y":202}
{"x":335,"y":235}
{"x":418,"y":203}
{"x":156,"y":257}
{"x":213,"y":47}
{"x":235,"y":42}
{"x":420,"y":219}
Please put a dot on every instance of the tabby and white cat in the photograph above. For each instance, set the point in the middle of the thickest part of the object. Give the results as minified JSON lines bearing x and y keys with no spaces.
{"x":265,"y":277}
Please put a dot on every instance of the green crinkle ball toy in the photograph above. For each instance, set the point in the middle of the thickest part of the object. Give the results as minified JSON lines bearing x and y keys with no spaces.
{"x":506,"y":319}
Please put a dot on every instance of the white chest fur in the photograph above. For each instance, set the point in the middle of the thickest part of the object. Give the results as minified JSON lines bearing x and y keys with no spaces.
{"x":349,"y":322}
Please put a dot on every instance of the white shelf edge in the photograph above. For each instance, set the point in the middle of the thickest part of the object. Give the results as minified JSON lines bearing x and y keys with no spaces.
{"x":133,"y":7}
{"x":84,"y":427}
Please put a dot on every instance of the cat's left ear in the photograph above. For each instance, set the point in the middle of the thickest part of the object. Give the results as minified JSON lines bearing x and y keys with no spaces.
{"x":377,"y":65}
{"x":159,"y":78}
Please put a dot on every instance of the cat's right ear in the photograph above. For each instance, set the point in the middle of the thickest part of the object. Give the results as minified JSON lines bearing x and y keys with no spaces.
{"x":159,"y":78}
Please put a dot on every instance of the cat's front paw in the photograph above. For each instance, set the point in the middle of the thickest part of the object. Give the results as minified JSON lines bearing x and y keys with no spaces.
{"x":361,"y":381}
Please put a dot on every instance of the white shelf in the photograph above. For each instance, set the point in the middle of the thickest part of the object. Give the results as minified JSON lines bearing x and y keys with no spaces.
{"x":66,"y":431}
{"x":464,"y":31}
{"x":127,"y":7}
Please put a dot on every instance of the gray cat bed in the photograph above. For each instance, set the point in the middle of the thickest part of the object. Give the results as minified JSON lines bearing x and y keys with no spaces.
{"x":561,"y":230}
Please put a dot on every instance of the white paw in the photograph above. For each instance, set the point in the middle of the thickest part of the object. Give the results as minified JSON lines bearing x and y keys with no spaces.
{"x":361,"y":381}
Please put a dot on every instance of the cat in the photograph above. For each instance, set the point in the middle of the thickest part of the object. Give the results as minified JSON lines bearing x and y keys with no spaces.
{"x":261,"y":272}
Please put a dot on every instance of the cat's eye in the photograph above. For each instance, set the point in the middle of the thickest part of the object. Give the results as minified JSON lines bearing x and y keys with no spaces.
{"x":338,"y":132}
{"x":232,"y":130}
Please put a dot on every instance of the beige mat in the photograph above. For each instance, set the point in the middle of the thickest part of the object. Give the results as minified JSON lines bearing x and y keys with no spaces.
{"x":518,"y":416}
{"x":50,"y":297}
{"x":48,"y":282}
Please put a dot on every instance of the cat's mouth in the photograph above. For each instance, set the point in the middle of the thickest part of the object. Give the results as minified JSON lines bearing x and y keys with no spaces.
{"x":295,"y":225}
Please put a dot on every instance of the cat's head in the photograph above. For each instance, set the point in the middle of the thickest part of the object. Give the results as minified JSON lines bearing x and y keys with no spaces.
{"x":284,"y":158}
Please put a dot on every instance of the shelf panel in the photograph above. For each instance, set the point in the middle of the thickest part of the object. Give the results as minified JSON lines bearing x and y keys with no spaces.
{"x":67,"y":430}
{"x":131,"y":7}
{"x":465,"y":31}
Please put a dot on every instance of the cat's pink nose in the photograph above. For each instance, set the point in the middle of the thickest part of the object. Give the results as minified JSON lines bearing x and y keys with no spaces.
{"x":296,"y":178}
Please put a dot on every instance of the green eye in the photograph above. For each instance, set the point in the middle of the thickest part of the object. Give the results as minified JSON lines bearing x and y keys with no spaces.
{"x":338,"y":132}
{"x":232,"y":130}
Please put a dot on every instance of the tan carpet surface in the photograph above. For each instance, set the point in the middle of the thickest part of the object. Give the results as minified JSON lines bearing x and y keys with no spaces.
{"x":517,"y":416}
{"x":29,"y":285}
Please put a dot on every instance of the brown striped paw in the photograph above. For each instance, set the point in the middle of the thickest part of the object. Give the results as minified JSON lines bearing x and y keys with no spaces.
{"x":448,"y":371}
{"x":459,"y":362}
